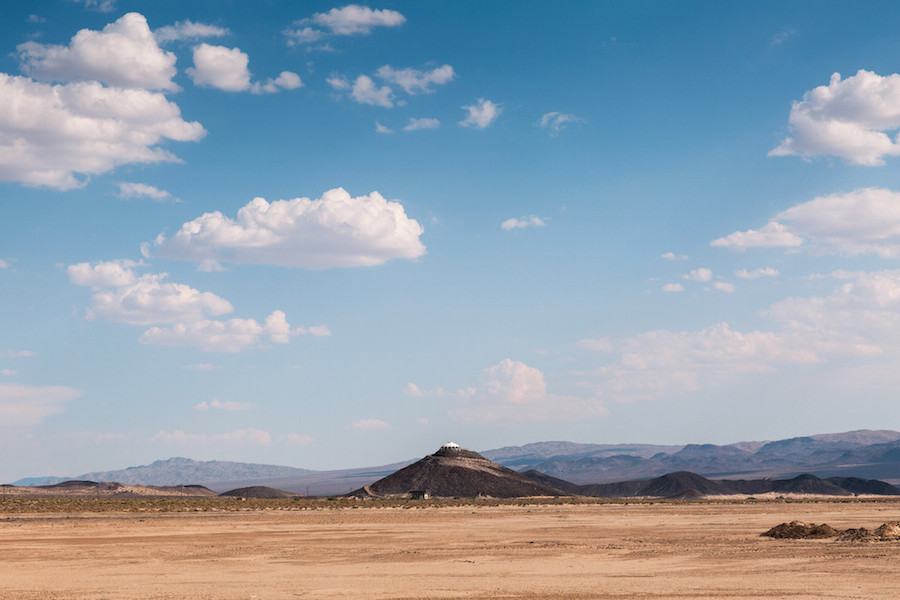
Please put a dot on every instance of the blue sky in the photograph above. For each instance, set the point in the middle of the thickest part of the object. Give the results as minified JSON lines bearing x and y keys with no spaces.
{"x":329,"y":235}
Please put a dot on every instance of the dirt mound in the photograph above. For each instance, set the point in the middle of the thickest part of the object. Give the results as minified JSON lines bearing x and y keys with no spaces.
{"x":257,"y":491}
{"x":798,"y":530}
{"x":456,"y":472}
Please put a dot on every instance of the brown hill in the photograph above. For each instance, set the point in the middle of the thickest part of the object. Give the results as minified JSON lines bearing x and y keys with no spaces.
{"x":106,"y":489}
{"x":258,"y":491}
{"x":456,"y":472}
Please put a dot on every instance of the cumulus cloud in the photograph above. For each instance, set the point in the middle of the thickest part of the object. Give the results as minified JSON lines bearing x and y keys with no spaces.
{"x":414,"y":81}
{"x":232,"y":335}
{"x":220,"y":67}
{"x":773,"y":235}
{"x":379,"y":128}
{"x":658,"y":363}
{"x":369,"y":425}
{"x":701,"y":274}
{"x":22,"y":405}
{"x":757,"y":273}
{"x":299,"y":439}
{"x":556,"y":121}
{"x":121,"y":295}
{"x":19,"y":354}
{"x":852,"y":119}
{"x":352,"y":19}
{"x":722,"y":286}
{"x":254,"y":437}
{"x":481,"y":114}
{"x":227,"y":69}
{"x":124,"y":54}
{"x":419,"y":124}
{"x":50,"y":133}
{"x":529,"y":221}
{"x":673,"y":287}
{"x":129,"y":190}
{"x":865,"y":221}
{"x":188,"y":30}
{"x":859,"y":318}
{"x":286,"y":80}
{"x":513,"y":392}
{"x":336,"y":230}
{"x":145,"y":299}
{"x":228,"y":405}
{"x":673,"y":256}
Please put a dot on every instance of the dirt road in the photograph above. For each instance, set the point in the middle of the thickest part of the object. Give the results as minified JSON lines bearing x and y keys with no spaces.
{"x":621,"y":551}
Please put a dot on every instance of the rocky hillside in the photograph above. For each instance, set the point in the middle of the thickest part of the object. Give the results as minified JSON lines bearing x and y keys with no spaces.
{"x":456,"y":472}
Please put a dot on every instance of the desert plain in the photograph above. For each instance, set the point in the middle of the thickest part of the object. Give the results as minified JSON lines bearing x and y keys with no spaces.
{"x":553,"y":550}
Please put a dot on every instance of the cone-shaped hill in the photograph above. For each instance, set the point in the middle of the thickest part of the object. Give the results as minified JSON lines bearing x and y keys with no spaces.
{"x":455,"y":472}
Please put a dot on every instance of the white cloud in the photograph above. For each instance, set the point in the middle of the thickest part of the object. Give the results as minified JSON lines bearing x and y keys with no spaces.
{"x":414,"y":81}
{"x":113,"y":273}
{"x":366,"y":91}
{"x":412,"y":389}
{"x":8,"y":372}
{"x":673,"y":256}
{"x":333,"y":231}
{"x":318,"y":331}
{"x":701,"y":274}
{"x":379,"y":128}
{"x":220,"y":67}
{"x":529,"y":221}
{"x":48,"y":134}
{"x":298,"y":439}
{"x":659,"y":363}
{"x":302,"y":35}
{"x":757,"y":273}
{"x":286,"y":80}
{"x":773,"y":235}
{"x":188,"y":30}
{"x":556,"y":121}
{"x":419,"y":124}
{"x":848,"y":118}
{"x":482,"y":114}
{"x":121,"y":295}
{"x":145,"y":299}
{"x":865,"y":221}
{"x":4,"y":264}
{"x":19,"y":354}
{"x":722,"y":286}
{"x":673,"y":287}
{"x":355,"y":20}
{"x":369,"y":425}
{"x":860,"y":318}
{"x":131,"y":190}
{"x":511,"y":392}
{"x":125,"y":54}
{"x":228,"y":405}
{"x":232,"y":335}
{"x":255,"y":437}
{"x":99,"y":5}
{"x":30,"y":405}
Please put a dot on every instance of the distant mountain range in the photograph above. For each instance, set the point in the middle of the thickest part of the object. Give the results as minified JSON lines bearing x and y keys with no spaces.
{"x":861,"y":454}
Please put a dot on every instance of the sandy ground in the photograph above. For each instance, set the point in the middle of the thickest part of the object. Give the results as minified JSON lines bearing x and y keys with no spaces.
{"x":577,"y":551}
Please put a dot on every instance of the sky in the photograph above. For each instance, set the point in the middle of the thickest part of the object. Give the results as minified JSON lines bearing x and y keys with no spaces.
{"x":335,"y":235}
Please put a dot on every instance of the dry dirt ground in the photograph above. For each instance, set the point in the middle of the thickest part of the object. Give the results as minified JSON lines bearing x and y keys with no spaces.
{"x":621,"y":551}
